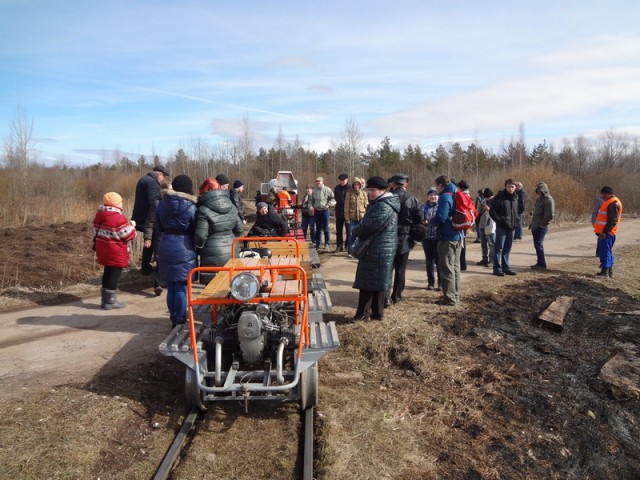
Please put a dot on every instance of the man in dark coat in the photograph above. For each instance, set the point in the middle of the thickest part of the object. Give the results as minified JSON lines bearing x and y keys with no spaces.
{"x":236,"y":199}
{"x":145,"y":204}
{"x":269,"y":223}
{"x":410,"y":214}
{"x":373,"y":275}
{"x":504,"y":211}
{"x":522,"y":200}
{"x":340,"y":192}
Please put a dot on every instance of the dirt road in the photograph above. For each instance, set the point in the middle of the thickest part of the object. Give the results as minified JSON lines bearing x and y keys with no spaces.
{"x":47,"y":346}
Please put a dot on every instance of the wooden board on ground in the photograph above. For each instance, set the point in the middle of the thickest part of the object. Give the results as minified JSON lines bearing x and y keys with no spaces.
{"x":622,"y":373}
{"x":553,"y":316}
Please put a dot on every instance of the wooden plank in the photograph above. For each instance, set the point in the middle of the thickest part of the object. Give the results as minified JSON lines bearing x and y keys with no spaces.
{"x":553,"y":316}
{"x":216,"y":288}
{"x":283,"y":288}
{"x":622,"y":373}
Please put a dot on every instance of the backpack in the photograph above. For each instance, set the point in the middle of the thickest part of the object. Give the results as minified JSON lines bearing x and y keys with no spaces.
{"x":465,"y":214}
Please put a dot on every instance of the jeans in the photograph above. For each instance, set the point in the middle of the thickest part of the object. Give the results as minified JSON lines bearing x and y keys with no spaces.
{"x":308,"y":223}
{"x":321,"y":219}
{"x":177,"y":301}
{"x":518,"y":232}
{"x":605,"y":250}
{"x":430,"y":247}
{"x":502,"y":249}
{"x":449,"y":267}
{"x":350,"y":238}
{"x":538,"y":244}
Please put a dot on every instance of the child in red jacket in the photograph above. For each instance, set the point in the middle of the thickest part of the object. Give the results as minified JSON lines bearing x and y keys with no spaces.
{"x":112,"y":234}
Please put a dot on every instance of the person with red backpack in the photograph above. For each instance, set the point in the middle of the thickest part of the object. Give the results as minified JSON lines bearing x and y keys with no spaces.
{"x":450,"y":244}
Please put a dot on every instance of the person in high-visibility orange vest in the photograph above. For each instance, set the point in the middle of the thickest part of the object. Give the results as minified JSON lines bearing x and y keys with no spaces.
{"x":606,"y":228}
{"x":284,"y":198}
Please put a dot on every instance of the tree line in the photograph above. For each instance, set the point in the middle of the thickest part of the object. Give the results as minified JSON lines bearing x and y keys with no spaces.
{"x":575,"y":172}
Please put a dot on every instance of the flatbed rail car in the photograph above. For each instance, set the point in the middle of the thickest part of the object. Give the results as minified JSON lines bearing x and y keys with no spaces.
{"x":255,"y":332}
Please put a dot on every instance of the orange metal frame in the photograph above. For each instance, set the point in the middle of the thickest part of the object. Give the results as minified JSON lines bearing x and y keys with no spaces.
{"x":300,"y":300}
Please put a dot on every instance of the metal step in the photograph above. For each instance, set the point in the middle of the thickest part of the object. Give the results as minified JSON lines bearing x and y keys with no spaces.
{"x":323,"y":335}
{"x":320,"y":301}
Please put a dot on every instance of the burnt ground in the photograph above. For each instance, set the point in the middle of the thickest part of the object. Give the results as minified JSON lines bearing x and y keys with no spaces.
{"x":481,"y":391}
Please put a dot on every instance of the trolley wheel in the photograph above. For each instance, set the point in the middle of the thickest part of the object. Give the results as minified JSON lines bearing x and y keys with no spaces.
{"x":193,"y":394}
{"x":309,"y":387}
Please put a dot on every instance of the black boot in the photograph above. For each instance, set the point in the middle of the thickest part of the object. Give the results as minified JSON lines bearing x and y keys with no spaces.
{"x":604,"y":272}
{"x":103,"y":297}
{"x":610,"y":272}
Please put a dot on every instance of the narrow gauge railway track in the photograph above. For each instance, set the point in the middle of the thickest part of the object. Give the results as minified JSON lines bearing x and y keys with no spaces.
{"x":176,"y":450}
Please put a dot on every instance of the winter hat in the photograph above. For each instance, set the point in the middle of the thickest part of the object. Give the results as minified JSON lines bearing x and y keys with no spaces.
{"x":261,"y":205}
{"x":377,"y":182}
{"x":237,"y":184}
{"x":356,"y":180}
{"x":607,"y":190}
{"x":222,"y":179}
{"x":112,"y":198}
{"x":400,"y":178}
{"x":160,"y":168}
{"x":488,"y":193}
{"x":463,"y":185}
{"x":343,"y":176}
{"x":319,"y":179}
{"x":183,"y":184}
{"x":432,"y":190}
{"x":309,"y":185}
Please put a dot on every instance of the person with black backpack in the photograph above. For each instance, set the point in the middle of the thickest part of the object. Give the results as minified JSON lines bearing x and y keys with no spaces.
{"x":410,"y":217}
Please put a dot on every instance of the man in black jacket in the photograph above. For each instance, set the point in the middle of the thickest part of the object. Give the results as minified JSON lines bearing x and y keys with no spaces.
{"x":504,"y":211}
{"x":236,"y":199}
{"x":145,"y":203}
{"x":269,"y":223}
{"x":410,"y":213}
{"x":340,"y":192}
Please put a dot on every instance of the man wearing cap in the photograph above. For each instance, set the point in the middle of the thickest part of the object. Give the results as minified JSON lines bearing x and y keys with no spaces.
{"x":145,"y":204}
{"x":234,"y":195}
{"x":606,"y":228}
{"x":307,"y":219}
{"x":319,"y":208}
{"x":223,"y":180}
{"x":340,"y":192}
{"x":410,"y":213}
{"x":268,"y":223}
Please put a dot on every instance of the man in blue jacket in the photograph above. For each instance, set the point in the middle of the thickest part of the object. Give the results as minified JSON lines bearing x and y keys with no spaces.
{"x":450,"y":244}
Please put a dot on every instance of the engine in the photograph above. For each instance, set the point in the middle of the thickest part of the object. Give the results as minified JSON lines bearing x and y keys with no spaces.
{"x":254,"y":331}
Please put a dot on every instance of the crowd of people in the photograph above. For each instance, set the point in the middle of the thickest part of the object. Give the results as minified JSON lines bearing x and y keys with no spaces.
{"x":181,"y":230}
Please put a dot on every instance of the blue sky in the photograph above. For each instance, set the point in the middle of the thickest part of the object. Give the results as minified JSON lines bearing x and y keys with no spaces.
{"x":150,"y":76}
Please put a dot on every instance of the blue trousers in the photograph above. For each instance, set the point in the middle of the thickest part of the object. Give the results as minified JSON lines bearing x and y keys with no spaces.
{"x":605,"y":250}
{"x":177,"y":301}
{"x":321,"y":219}
{"x":430,"y":247}
{"x":518,"y":232}
{"x":538,"y":244}
{"x":502,"y":249}
{"x":350,"y":238}
{"x":308,"y":223}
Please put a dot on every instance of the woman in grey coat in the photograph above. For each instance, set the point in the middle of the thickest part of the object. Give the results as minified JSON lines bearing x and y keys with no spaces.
{"x":217,"y":225}
{"x":373,"y":276}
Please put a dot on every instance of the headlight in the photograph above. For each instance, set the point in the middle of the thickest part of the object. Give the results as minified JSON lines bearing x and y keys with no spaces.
{"x":244,"y":286}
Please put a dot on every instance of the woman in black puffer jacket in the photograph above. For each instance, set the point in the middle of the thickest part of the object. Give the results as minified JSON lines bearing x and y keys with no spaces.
{"x":217,"y":225}
{"x":373,"y":276}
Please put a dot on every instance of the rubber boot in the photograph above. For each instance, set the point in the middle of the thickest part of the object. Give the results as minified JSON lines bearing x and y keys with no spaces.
{"x":604,"y":272}
{"x":103,"y":297}
{"x":111,"y":300}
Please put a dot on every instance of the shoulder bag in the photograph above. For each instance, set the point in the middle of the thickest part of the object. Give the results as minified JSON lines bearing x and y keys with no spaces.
{"x":360,"y":248}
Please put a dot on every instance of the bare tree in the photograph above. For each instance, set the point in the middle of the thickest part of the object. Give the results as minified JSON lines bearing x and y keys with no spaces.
{"x":20,"y":153}
{"x":350,"y":146}
{"x":612,"y":149}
